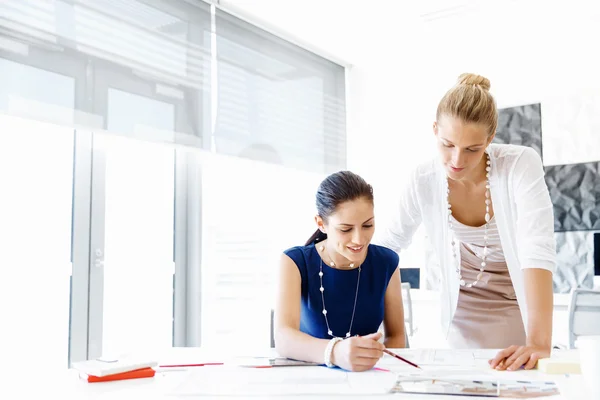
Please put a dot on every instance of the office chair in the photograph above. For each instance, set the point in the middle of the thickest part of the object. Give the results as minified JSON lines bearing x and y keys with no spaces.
{"x":584,"y":314}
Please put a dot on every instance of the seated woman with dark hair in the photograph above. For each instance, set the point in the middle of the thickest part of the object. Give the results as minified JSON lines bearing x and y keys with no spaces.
{"x":336,"y":290}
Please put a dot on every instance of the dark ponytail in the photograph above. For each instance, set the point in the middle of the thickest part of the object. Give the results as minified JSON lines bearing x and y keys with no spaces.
{"x":336,"y":189}
{"x":316,"y":237}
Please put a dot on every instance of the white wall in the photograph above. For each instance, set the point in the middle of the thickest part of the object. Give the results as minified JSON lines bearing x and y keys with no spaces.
{"x":532,"y":51}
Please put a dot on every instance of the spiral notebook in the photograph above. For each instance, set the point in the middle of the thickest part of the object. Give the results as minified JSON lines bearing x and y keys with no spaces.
{"x":479,"y":388}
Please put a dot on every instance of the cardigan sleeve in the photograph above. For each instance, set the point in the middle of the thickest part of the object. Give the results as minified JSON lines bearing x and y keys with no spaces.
{"x":405,"y":219}
{"x":534,"y":213}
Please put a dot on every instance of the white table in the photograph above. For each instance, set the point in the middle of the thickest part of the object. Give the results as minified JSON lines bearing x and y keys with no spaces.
{"x":166,"y":385}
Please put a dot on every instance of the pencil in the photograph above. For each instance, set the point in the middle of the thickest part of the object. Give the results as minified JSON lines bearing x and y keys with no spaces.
{"x":401,"y":358}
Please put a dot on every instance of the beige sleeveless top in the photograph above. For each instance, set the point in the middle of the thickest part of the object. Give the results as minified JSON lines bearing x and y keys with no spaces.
{"x":487,"y":315}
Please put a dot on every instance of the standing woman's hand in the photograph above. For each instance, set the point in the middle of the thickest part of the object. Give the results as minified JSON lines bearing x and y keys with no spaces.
{"x":358,"y":353}
{"x":515,"y":357}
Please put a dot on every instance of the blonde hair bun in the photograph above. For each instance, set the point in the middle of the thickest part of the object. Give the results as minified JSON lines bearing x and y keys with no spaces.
{"x":474,"y":80}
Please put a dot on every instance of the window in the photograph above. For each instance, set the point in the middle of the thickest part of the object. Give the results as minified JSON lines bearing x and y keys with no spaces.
{"x":36,"y":171}
{"x":159,"y":156}
{"x":251,"y":212}
{"x":138,"y":230}
{"x":277,"y":102}
{"x":35,"y":210}
{"x":149,"y":90}
{"x":280,"y":119}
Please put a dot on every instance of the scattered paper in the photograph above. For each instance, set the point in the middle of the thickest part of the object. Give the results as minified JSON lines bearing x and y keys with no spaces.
{"x":226,"y":381}
{"x":443,"y":357}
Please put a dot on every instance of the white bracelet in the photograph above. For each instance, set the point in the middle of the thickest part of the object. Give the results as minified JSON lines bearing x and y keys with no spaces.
{"x":329,"y":351}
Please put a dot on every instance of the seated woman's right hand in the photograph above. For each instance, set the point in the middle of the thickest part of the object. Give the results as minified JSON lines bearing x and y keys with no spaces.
{"x":358,"y":353}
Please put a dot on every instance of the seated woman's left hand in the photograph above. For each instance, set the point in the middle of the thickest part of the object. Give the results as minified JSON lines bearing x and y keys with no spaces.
{"x":515,"y":357}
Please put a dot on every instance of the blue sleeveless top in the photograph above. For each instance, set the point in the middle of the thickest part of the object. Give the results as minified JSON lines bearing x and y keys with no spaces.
{"x":340,"y":289}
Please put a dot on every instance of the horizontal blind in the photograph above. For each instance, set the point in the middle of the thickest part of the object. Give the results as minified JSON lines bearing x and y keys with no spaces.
{"x":165,"y":45}
{"x":126,"y":32}
{"x":277,"y":102}
{"x":141,"y":37}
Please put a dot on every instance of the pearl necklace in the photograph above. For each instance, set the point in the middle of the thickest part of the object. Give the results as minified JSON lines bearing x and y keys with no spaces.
{"x":488,"y":201}
{"x":322,"y":289}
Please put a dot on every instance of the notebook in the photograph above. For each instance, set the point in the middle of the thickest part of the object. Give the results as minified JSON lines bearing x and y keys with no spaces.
{"x":104,"y":366}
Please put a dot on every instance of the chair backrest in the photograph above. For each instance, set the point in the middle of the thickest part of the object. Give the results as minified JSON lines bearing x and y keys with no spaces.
{"x":272,"y":329}
{"x":584,"y":314}
{"x":408,"y":311}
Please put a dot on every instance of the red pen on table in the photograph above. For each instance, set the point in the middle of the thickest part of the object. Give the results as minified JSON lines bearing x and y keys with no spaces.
{"x":381,"y":369}
{"x":189,"y":365}
{"x":400,"y":358}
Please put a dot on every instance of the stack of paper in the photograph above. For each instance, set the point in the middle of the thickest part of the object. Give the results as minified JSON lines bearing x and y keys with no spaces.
{"x":103,"y":370}
{"x":559,"y":366}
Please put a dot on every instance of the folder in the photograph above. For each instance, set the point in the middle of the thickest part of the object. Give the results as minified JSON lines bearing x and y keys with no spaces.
{"x":138,"y":373}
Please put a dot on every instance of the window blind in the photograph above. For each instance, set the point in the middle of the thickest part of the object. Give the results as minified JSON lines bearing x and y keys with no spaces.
{"x":273,"y":101}
{"x":164,"y":45}
{"x":276,"y":101}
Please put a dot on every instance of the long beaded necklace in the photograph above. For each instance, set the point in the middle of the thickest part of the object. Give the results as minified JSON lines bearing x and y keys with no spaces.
{"x":488,"y":201}
{"x":322,"y":289}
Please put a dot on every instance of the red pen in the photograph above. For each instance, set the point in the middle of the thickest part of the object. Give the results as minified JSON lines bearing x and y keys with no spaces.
{"x":400,"y":358}
{"x":188,"y":365}
{"x":381,"y":369}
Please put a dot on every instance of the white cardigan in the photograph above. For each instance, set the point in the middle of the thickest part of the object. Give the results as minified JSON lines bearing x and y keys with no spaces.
{"x":522,"y":209}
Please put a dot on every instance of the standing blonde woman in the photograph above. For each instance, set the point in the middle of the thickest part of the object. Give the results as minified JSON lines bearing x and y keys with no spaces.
{"x":487,"y":211}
